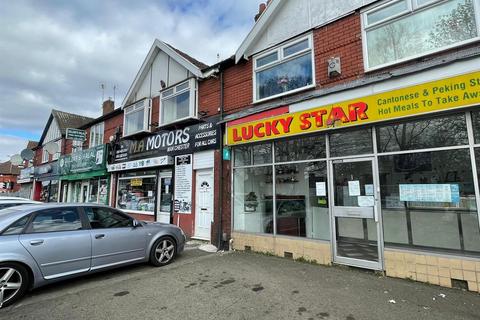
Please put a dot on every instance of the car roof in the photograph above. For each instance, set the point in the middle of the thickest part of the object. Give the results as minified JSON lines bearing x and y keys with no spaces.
{"x":13,"y":199}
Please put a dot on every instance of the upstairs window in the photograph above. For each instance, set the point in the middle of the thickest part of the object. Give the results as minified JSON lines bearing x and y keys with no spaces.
{"x":178,"y":102}
{"x":77,"y":145}
{"x":45,"y":156}
{"x":401,"y":30}
{"x":96,"y":134}
{"x":137,"y":117}
{"x":286,"y":69}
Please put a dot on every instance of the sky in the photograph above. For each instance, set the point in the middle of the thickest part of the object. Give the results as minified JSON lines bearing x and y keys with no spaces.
{"x":56,"y":53}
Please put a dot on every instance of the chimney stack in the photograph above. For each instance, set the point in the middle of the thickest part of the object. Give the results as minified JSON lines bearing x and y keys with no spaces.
{"x":261,"y":8}
{"x":108,"y":106}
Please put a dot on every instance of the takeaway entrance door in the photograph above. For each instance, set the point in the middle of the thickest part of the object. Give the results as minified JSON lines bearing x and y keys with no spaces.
{"x":355,"y":216}
{"x":165,"y":197}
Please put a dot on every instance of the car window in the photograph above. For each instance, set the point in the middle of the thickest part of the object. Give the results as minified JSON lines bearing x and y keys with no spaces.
{"x":102,"y":218}
{"x":57,"y":219}
{"x":16,"y":227}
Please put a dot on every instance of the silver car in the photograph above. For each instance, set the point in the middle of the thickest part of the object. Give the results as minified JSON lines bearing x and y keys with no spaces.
{"x":40,"y":244}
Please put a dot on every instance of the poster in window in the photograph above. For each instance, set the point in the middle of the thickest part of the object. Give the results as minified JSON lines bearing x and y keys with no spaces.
{"x":183,"y":184}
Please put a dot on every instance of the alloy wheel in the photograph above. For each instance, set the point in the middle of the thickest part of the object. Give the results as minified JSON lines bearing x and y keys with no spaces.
{"x":10,"y":284}
{"x":164,"y":251}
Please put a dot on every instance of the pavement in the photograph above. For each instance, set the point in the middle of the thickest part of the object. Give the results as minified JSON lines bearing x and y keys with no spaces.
{"x":237,"y":285}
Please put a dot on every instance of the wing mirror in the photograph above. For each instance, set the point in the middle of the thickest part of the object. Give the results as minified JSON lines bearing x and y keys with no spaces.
{"x":136,"y":224}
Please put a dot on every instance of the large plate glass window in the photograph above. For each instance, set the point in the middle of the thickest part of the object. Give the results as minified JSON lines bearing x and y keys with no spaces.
{"x":96,"y":134}
{"x":136,"y":192}
{"x":178,"y":102}
{"x":401,"y":30}
{"x":285,"y":69}
{"x":136,"y":117}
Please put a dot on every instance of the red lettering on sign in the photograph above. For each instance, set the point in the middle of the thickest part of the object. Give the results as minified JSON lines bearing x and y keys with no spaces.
{"x":236,"y":138}
{"x":286,"y":123}
{"x":256,"y":130}
{"x":247,"y":132}
{"x":357,"y":111}
{"x":319,"y":117}
{"x":338,"y":114}
{"x":305,"y":121}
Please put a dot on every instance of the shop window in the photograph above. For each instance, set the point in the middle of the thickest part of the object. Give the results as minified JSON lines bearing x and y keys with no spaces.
{"x":262,"y":153}
{"x":285,"y":69}
{"x":96,"y":134}
{"x":77,"y":145}
{"x":242,"y":156}
{"x":351,"y":142}
{"x":178,"y":102}
{"x":401,"y":30}
{"x":93,"y":191}
{"x":136,"y":193}
{"x":136,"y":117}
{"x":253,"y":199}
{"x":476,"y":126}
{"x":256,"y":154}
{"x":422,"y":134}
{"x":428,"y":201}
{"x":303,"y":148}
{"x":301,"y":200}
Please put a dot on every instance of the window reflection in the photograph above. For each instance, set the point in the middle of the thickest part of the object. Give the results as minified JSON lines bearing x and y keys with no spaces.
{"x":422,"y":134}
{"x":351,"y":142}
{"x":303,"y":148}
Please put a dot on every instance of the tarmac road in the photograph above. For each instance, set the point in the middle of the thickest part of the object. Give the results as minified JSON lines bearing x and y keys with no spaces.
{"x":239,"y":285}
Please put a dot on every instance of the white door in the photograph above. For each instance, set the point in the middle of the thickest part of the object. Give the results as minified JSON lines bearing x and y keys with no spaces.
{"x":165,"y":191}
{"x":203,"y":203}
{"x":84,"y":192}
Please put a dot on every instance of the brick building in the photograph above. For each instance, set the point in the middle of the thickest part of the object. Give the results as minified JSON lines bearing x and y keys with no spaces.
{"x":353,"y":129}
{"x":8,"y":177}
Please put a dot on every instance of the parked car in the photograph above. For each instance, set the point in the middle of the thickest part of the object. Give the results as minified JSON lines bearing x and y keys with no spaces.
{"x":40,"y":244}
{"x":7,"y":202}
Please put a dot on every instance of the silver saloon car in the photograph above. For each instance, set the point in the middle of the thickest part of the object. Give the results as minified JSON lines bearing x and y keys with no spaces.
{"x":40,"y":244}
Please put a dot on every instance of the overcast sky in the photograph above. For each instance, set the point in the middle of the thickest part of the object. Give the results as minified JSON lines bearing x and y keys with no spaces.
{"x":55,"y":54}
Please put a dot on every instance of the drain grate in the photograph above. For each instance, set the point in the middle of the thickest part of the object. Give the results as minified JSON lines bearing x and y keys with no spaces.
{"x":459,"y":284}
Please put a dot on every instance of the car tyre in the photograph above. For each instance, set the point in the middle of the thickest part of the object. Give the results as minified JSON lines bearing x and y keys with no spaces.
{"x":163,"y":251}
{"x":14,"y":282}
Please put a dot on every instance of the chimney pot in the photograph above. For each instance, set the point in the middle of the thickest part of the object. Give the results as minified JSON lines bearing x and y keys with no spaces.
{"x":108,"y":106}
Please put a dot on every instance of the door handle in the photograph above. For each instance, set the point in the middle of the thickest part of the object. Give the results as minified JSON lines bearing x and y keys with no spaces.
{"x":99,"y":236}
{"x":36,"y":242}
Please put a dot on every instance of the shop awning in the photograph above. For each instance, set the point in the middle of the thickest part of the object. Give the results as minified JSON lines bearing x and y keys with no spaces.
{"x":84,"y":175}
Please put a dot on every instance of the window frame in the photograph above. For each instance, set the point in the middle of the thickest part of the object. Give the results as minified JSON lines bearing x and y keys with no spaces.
{"x":155,"y":191}
{"x":45,"y":156}
{"x":97,"y":131}
{"x":146,"y":105}
{"x":192,"y":103}
{"x":414,"y":8}
{"x":280,"y":60}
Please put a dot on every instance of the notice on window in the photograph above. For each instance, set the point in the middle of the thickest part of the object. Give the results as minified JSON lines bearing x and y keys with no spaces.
{"x":430,"y":192}
{"x":353,"y":188}
{"x":369,"y":190}
{"x":183,"y":184}
{"x":366,"y":201}
{"x":136,"y":182}
{"x":321,"y":189}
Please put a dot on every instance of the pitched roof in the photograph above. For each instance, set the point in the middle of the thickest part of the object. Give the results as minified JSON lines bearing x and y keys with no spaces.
{"x":69,"y":120}
{"x":197,"y":63}
{"x":31,"y":144}
{"x":8,"y":168}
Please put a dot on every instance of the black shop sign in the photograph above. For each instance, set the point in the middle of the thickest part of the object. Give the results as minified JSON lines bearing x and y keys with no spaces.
{"x":199,"y":137}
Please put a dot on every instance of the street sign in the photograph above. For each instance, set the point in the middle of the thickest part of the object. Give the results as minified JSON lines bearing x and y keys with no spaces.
{"x":76,"y":134}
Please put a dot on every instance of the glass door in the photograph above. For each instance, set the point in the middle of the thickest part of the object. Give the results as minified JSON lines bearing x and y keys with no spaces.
{"x":355,"y":224}
{"x":165,"y":197}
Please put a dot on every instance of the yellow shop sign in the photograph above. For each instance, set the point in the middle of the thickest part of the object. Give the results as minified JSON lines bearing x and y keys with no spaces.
{"x":455,"y":92}
{"x":136,"y":182}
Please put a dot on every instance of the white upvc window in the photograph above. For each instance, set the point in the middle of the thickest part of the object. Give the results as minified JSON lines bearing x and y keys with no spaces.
{"x":178,"y":102}
{"x":77,"y":145}
{"x":285,"y":69}
{"x":399,"y":30}
{"x":45,"y":156}
{"x":137,"y":117}
{"x":56,"y":155}
{"x":96,"y":134}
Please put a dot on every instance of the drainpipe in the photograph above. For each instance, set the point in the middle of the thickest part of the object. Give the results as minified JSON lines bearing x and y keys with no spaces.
{"x":220,"y":211}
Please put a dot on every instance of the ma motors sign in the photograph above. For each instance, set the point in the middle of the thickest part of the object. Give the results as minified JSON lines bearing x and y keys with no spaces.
{"x":446,"y":94}
{"x":199,"y":137}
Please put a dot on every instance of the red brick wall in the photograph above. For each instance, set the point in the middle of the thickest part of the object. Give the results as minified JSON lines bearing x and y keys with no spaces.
{"x":155,"y":110}
{"x":342,"y":39}
{"x":226,"y":201}
{"x":209,"y":96}
{"x":12,"y":179}
{"x":238,"y":92}
{"x":111,"y":126}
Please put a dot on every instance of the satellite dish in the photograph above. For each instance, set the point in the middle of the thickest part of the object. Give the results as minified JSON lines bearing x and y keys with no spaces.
{"x":16,"y":159}
{"x":51,"y":147}
{"x":27,"y":154}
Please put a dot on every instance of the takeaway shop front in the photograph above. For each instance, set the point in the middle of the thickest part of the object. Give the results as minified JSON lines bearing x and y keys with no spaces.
{"x":84,"y":177}
{"x":386,"y":181}
{"x":168,"y":177}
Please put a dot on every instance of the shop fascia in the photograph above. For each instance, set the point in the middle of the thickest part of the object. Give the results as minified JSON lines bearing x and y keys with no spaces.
{"x":157,"y":149}
{"x":436,"y":96}
{"x":83,"y":164}
{"x":26,"y":175}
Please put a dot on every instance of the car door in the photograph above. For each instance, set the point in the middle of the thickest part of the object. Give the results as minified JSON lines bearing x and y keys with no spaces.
{"x":114,"y":238}
{"x":58,"y":241}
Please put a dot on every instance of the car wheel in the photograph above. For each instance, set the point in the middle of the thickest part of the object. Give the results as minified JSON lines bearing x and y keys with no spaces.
{"x":14,"y":282}
{"x":163,"y":251}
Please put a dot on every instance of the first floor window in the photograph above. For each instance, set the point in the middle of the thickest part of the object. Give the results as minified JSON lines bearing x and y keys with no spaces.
{"x":136,"y":117}
{"x":409,"y":28}
{"x":178,"y":102}
{"x":96,"y":134}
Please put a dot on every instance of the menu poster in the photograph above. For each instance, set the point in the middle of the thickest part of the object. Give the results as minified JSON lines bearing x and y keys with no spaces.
{"x":430,"y":192}
{"x":321,"y":189}
{"x":183,"y":184}
{"x":353,"y":188}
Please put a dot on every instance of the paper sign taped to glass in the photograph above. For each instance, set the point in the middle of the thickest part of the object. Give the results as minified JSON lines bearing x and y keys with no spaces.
{"x":354,"y":188}
{"x":366,"y":201}
{"x":430,"y":192}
